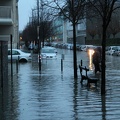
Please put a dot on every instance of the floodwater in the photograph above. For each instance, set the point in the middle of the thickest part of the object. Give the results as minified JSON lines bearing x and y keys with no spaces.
{"x":53,"y":94}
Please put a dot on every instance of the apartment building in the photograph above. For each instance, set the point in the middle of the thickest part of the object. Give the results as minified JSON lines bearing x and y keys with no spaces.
{"x":9,"y":21}
{"x":8,"y":30}
{"x":58,"y":29}
{"x":63,"y":31}
{"x":80,"y":32}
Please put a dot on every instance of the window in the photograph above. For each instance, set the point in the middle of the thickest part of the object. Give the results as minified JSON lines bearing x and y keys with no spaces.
{"x":15,"y":52}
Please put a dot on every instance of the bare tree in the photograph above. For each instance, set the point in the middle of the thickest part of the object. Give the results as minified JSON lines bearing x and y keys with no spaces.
{"x":105,"y":9}
{"x":114,"y":26}
{"x":92,"y":29}
{"x":45,"y":26}
{"x":29,"y":34}
{"x":73,"y":11}
{"x":92,"y":32}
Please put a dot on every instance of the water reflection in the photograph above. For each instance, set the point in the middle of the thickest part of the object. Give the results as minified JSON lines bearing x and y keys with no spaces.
{"x":1,"y":105}
{"x":55,"y":95}
{"x":90,"y":53}
{"x":103,"y":100}
{"x":75,"y":93}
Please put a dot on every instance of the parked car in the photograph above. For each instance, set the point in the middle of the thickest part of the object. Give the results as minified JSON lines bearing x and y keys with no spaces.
{"x":86,"y":47}
{"x":35,"y":50}
{"x":117,"y":52}
{"x":48,"y":53}
{"x":18,"y":54}
{"x":78,"y":47}
{"x":69,"y":46}
{"x":111,"y":50}
{"x":31,"y":46}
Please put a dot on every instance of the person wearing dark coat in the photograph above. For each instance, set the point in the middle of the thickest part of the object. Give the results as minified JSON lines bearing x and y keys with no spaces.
{"x":96,"y":60}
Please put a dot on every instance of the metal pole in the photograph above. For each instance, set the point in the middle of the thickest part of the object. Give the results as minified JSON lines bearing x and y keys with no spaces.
{"x":61,"y":64}
{"x":81,"y":62}
{"x":1,"y":65}
{"x":39,"y":43}
{"x":39,"y":50}
{"x":17,"y":66}
{"x":11,"y":57}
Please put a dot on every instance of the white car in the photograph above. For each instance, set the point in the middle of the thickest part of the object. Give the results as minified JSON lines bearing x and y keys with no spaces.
{"x":86,"y":47}
{"x":18,"y":54}
{"x":117,"y":52}
{"x":48,"y":53}
{"x":111,"y":50}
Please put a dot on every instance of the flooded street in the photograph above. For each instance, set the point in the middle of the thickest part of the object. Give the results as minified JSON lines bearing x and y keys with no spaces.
{"x":55,"y":95}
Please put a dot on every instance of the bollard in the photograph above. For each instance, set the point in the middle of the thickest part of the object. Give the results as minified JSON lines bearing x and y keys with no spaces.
{"x":18,"y":58}
{"x":81,"y":63}
{"x":62,"y":58}
{"x":46,"y":60}
{"x":17,"y":66}
{"x":61,"y":64}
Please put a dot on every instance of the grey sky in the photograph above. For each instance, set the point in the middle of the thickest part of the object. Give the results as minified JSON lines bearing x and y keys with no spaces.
{"x":25,"y":10}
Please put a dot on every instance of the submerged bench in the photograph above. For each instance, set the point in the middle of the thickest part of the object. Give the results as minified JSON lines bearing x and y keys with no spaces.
{"x":86,"y":77}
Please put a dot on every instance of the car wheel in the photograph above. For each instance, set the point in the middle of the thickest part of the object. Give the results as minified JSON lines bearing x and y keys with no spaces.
{"x":22,"y":60}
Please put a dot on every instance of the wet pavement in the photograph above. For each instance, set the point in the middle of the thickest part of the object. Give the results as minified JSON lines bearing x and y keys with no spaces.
{"x":55,"y":95}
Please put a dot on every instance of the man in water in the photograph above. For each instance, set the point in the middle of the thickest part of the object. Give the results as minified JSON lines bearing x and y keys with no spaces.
{"x":97,"y":60}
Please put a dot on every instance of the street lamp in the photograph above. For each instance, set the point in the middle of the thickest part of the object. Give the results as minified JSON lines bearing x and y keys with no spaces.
{"x":38,"y":34}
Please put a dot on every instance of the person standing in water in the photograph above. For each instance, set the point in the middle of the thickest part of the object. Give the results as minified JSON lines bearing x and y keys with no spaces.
{"x":96,"y":60}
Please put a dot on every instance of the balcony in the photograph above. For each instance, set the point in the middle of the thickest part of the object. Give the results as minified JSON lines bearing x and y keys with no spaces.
{"x":4,"y":37}
{"x":6,"y":15}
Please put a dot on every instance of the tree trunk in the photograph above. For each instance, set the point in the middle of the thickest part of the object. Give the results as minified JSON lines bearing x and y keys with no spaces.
{"x":103,"y":76}
{"x":74,"y":50}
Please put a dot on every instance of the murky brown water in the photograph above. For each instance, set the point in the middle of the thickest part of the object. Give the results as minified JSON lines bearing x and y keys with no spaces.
{"x":55,"y":95}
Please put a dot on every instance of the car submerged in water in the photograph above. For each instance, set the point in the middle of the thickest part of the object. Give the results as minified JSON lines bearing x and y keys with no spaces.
{"x":48,"y":53}
{"x":18,"y":54}
{"x":111,"y":49}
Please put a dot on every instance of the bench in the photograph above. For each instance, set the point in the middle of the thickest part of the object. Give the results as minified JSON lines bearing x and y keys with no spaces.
{"x":86,"y":77}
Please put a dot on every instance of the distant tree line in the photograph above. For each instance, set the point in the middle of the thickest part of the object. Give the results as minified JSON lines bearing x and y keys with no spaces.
{"x":94,"y":27}
{"x":99,"y":12}
{"x":30,"y":32}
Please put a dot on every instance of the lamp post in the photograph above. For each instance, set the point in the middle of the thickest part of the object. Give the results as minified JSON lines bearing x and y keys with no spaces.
{"x":38,"y":34}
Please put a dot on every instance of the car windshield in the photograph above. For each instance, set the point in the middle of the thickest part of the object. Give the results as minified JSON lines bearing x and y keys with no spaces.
{"x":118,"y":49}
{"x":115,"y":48}
{"x":48,"y":51}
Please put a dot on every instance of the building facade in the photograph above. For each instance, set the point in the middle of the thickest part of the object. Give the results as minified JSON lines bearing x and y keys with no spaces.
{"x":9,"y":21}
{"x":63,"y":31}
{"x":8,"y":35}
{"x":80,"y":32}
{"x":58,"y":30}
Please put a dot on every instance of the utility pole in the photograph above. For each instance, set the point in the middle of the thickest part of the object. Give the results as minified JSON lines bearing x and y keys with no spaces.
{"x":38,"y":36}
{"x":42,"y":25}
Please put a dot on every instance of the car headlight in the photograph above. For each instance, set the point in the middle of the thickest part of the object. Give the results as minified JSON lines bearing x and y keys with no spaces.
{"x":91,"y":52}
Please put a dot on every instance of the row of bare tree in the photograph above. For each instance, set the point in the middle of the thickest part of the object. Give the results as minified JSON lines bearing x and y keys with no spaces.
{"x":73,"y":11}
{"x":44,"y":21}
{"x":94,"y":28}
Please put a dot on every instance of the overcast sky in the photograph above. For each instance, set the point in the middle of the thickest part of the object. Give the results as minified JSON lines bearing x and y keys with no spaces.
{"x":25,"y":11}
